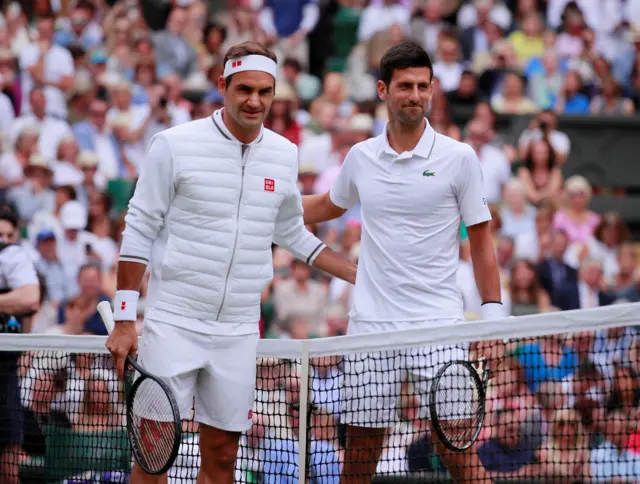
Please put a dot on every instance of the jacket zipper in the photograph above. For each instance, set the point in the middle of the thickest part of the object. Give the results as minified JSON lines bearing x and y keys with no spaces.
{"x":245,"y":151}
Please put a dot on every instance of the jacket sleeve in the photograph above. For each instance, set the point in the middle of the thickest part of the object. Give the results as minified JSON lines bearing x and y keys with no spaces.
{"x":290,"y":231}
{"x":154,"y":192}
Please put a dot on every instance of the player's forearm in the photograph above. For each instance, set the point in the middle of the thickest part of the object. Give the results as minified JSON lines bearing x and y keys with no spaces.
{"x":336,"y":265}
{"x":319,"y":208}
{"x":485,"y":265}
{"x":130,"y":275}
{"x":24,"y":300}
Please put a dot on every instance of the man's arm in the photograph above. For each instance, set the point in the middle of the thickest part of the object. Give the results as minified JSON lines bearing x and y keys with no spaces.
{"x":342,"y":196}
{"x":290,"y":232}
{"x":476,"y":215}
{"x":320,"y":208}
{"x":145,"y":216}
{"x":485,"y":265}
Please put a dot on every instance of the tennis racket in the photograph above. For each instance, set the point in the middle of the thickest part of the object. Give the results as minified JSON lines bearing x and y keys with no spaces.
{"x":153,"y":419}
{"x":457,"y":403}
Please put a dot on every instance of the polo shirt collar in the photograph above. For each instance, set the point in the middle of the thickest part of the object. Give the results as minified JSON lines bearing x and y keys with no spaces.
{"x":216,"y":117}
{"x":423,"y":148}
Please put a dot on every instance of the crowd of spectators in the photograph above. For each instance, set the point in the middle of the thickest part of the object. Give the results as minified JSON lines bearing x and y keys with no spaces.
{"x":84,"y":84}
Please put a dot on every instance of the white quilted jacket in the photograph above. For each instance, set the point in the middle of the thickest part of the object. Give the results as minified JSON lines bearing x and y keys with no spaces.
{"x":205,"y":212}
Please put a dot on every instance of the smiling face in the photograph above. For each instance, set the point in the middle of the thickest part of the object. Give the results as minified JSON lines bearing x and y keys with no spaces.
{"x":248,"y":97}
{"x":407,"y":95}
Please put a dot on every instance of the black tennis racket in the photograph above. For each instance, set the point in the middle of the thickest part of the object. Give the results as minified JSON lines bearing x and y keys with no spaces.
{"x":457,"y":403}
{"x":154,"y":426}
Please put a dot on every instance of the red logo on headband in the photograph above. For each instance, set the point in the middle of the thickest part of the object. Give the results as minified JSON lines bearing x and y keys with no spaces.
{"x":235,"y":64}
{"x":123,"y":306}
{"x":269,"y":185}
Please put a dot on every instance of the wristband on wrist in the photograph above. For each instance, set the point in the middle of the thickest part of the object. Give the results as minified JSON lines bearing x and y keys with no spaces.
{"x":125,"y":306}
{"x":492,"y":310}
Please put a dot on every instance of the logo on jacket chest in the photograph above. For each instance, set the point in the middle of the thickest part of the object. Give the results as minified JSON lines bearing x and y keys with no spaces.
{"x":269,"y":185}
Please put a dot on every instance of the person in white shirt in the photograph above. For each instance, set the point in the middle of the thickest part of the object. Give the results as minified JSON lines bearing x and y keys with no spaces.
{"x":212,"y":197}
{"x":52,"y":130}
{"x":414,"y":186}
{"x":49,"y":66}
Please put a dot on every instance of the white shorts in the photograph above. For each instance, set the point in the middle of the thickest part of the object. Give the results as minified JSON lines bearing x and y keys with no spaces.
{"x":219,"y":371}
{"x":373,"y":384}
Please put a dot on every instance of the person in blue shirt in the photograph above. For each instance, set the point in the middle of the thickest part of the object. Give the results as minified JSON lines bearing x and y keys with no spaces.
{"x":546,"y":359}
{"x":281,"y":456}
{"x":509,"y":453}
{"x":571,"y":100}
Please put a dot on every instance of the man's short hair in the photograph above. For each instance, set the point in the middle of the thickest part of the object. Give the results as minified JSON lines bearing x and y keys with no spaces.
{"x":9,"y":214}
{"x":404,"y":55}
{"x":245,"y":49}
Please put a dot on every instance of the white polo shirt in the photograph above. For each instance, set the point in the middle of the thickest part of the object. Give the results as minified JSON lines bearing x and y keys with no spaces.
{"x":411,"y":206}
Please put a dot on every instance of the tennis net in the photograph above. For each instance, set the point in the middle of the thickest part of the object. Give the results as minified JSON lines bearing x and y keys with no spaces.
{"x":563,"y":402}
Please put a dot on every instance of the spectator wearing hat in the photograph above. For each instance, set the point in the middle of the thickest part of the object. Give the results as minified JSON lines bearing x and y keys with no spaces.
{"x":74,"y":242}
{"x":51,"y":128}
{"x":34,"y":194}
{"x":12,"y":163}
{"x":575,"y":218}
{"x":307,"y":176}
{"x":59,"y":286}
{"x":281,"y":117}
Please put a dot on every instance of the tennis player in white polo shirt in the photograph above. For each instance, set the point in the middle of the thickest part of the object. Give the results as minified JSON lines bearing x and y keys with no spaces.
{"x":213,"y":196}
{"x":414,"y":186}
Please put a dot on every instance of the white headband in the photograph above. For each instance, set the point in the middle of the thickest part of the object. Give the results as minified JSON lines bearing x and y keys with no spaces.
{"x":250,"y":63}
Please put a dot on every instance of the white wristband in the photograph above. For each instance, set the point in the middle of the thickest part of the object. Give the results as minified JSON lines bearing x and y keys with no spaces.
{"x":492,"y":310}
{"x":125,"y":306}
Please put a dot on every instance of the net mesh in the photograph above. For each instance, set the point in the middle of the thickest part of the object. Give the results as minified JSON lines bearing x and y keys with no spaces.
{"x":563,"y":402}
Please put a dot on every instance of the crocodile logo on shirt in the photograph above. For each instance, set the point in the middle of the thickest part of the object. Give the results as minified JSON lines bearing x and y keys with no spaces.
{"x":428,"y":173}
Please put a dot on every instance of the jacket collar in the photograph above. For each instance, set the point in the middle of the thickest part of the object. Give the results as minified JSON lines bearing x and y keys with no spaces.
{"x":218,"y":123}
{"x":423,"y":148}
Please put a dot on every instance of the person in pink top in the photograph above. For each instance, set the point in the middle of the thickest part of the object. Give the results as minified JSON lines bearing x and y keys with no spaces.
{"x":575,"y":218}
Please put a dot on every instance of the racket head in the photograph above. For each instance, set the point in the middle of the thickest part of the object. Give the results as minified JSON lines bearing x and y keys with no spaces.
{"x":154,"y":426}
{"x":457,"y":404}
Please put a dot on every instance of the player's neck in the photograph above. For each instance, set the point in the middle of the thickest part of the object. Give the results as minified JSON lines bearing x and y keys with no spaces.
{"x":240,"y":133}
{"x":403,"y":137}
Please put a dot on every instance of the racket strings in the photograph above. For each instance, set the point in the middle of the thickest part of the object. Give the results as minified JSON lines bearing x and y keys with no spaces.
{"x":459,"y":405}
{"x":153,"y":426}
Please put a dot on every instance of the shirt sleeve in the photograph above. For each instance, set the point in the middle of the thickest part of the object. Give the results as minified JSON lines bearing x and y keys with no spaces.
{"x":290,"y":231}
{"x":343,"y":192}
{"x":18,"y":268}
{"x":154,"y":192}
{"x":66,"y":67}
{"x":470,"y":192}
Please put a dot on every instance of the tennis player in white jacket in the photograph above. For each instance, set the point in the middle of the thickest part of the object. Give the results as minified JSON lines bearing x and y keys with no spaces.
{"x":212,"y":197}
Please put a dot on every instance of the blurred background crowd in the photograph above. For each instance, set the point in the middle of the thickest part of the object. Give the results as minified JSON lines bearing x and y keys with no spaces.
{"x":84,"y":84}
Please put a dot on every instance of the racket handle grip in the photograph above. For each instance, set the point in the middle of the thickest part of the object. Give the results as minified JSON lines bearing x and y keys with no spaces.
{"x":104,"y":309}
